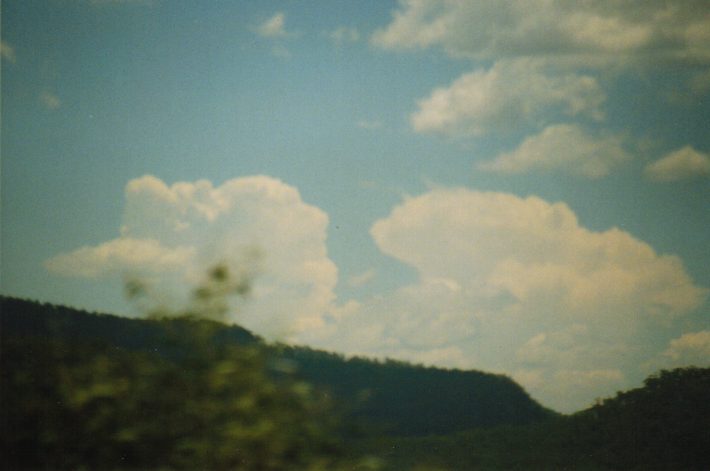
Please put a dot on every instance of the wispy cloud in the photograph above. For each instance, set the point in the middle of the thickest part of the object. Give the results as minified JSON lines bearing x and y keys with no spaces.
{"x":117,"y":256}
{"x":690,"y":348}
{"x":507,"y":96}
{"x":7,"y":52}
{"x":274,"y":30}
{"x":589,"y":33}
{"x":565,"y":148}
{"x":682,"y":164}
{"x":540,"y":62}
{"x":274,"y":27}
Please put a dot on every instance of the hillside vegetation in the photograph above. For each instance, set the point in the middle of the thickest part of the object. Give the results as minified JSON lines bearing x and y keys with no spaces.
{"x":88,"y":391}
{"x":395,"y":397}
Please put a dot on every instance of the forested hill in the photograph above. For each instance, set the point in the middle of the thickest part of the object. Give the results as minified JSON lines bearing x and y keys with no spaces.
{"x":394,"y":397}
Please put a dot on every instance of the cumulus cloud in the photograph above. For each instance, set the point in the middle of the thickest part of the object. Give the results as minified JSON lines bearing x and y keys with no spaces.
{"x":7,"y":52}
{"x":682,"y":164}
{"x":179,"y":231}
{"x":690,"y":349}
{"x":550,"y":41}
{"x":509,"y":95}
{"x":505,"y":284}
{"x":517,"y":285}
{"x":274,"y":27}
{"x":144,"y":256}
{"x":565,"y":148}
{"x":533,"y":251}
{"x":581,"y":32}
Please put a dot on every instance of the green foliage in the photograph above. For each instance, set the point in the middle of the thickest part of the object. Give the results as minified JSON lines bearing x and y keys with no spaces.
{"x":388,"y":396}
{"x":68,"y":407}
{"x":404,"y":399}
{"x":207,"y":405}
{"x":663,"y":425}
{"x":178,"y":391}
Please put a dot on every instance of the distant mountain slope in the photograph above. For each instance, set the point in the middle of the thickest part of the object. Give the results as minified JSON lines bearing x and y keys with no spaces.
{"x":395,"y":397}
{"x":27,"y":318}
{"x":663,"y":425}
{"x":417,"y":400}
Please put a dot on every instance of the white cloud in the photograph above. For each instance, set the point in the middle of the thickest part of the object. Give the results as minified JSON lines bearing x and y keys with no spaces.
{"x":682,"y":164}
{"x":274,"y":27}
{"x":690,"y":349}
{"x":144,"y":256}
{"x":573,"y":388}
{"x":179,"y":231}
{"x":507,"y":96}
{"x":7,"y":52}
{"x":563,"y":147}
{"x":603,"y":32}
{"x":516,"y":285}
{"x":344,"y":34}
{"x":50,"y":100}
{"x":550,"y":41}
{"x":533,"y":251}
{"x":505,"y":284}
{"x":584,"y":386}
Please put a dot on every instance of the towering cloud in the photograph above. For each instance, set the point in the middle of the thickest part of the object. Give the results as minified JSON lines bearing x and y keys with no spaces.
{"x":518,"y":285}
{"x":176,"y":232}
{"x":505,"y":283}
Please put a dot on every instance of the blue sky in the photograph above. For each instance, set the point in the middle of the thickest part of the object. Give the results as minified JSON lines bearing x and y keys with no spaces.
{"x":508,"y":186}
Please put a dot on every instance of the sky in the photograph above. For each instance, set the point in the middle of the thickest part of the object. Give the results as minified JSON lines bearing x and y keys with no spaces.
{"x":514,"y":187}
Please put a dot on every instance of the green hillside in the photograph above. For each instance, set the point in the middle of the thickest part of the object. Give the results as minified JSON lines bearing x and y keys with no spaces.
{"x":89,"y":391}
{"x":393,"y":397}
{"x":663,"y":425}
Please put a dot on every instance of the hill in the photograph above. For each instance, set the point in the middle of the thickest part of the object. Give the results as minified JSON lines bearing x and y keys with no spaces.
{"x":394,"y":397}
{"x":662,"y":425}
{"x":95,"y":391}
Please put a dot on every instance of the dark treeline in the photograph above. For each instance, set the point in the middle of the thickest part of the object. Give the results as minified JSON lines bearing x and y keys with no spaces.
{"x":404,"y":399}
{"x":90,"y":391}
{"x":393,"y":397}
{"x":663,"y":425}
